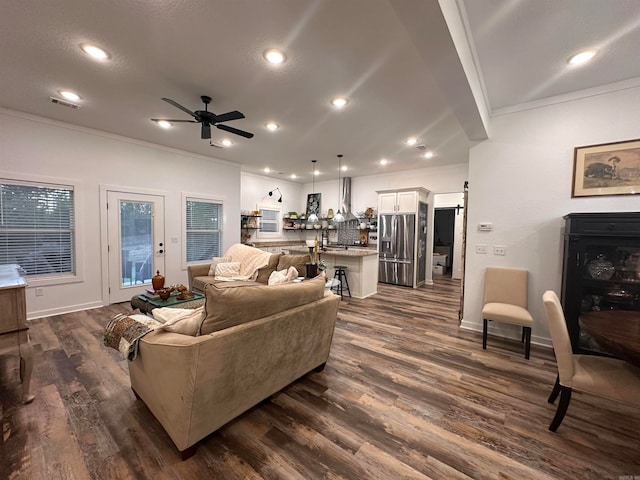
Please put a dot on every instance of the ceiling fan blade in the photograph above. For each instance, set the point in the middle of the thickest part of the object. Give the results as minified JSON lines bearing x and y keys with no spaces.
{"x":227,"y":117}
{"x":184,"y":109}
{"x":167,"y":120}
{"x":206,"y":131}
{"x":242,"y":133}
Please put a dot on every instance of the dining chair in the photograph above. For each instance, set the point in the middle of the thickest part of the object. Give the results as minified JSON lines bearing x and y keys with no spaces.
{"x":505,"y":300}
{"x":597,"y":375}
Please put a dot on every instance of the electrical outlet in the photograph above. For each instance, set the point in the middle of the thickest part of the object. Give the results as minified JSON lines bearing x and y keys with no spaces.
{"x":481,"y":248}
{"x":39,"y":292}
{"x":499,"y":250}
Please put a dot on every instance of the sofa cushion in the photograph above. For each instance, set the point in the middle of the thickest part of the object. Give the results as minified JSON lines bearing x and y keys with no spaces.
{"x":265,"y":272}
{"x":298,"y":261}
{"x":232,"y":304}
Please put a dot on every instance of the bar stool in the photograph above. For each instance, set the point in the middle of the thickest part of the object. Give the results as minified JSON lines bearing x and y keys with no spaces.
{"x":341,"y":275}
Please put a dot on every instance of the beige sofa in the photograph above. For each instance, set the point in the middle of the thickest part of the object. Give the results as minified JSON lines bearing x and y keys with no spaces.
{"x":199,"y":274}
{"x":255,"y":340}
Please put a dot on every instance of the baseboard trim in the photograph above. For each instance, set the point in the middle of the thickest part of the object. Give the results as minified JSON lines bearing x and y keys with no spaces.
{"x":63,"y":310}
{"x":477,"y":327}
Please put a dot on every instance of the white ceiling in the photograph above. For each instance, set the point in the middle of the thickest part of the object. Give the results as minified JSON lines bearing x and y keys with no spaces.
{"x":384,"y":55}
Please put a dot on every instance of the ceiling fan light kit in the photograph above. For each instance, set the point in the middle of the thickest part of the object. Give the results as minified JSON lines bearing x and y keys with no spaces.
{"x":206,"y":118}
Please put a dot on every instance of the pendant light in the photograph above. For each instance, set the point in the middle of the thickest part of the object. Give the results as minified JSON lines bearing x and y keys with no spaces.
{"x":313,"y":217}
{"x":338,"y":217}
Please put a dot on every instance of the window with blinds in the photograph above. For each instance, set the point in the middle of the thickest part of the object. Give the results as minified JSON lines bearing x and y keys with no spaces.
{"x":269,"y":222}
{"x":203,"y":229}
{"x":37,"y":227}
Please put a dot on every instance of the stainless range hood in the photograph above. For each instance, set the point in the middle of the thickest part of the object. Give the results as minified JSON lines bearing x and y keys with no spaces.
{"x":346,"y":200}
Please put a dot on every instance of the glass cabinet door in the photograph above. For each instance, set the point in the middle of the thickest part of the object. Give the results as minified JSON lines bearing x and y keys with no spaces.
{"x":610,"y":280}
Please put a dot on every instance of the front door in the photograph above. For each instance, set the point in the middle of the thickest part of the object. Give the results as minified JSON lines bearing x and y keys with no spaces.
{"x":135,"y":225}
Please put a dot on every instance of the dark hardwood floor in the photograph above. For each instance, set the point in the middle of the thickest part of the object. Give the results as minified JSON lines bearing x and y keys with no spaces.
{"x":405,"y":394}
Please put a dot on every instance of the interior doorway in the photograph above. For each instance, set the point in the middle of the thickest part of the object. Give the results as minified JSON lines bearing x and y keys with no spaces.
{"x":443,"y":239}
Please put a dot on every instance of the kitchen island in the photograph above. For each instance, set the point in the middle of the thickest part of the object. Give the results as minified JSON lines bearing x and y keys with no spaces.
{"x":361,"y":263}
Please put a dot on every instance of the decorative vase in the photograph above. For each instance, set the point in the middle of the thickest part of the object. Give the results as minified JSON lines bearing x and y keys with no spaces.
{"x":601,"y":268}
{"x":157,"y":281}
{"x":312,"y":270}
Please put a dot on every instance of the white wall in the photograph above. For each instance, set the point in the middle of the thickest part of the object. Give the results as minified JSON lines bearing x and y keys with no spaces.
{"x":254,"y":192}
{"x":37,"y":146}
{"x":520,"y":180}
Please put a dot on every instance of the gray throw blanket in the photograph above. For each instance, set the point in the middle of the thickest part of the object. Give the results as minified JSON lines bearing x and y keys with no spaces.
{"x":123,"y":332}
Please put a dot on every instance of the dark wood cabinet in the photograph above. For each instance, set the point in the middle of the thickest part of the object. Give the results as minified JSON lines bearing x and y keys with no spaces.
{"x":601,"y":269}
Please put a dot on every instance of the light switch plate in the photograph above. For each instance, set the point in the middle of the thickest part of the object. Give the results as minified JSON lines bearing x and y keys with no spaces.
{"x":481,"y":248}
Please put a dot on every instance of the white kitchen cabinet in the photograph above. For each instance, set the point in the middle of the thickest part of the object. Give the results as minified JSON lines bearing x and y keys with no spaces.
{"x":401,"y":200}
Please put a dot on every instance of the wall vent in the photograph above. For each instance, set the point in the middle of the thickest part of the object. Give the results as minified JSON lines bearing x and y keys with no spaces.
{"x":64,"y":103}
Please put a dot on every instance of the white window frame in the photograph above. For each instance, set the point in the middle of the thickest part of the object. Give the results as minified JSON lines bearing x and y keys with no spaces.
{"x":198,"y":197}
{"x":78,"y":237}
{"x":277,"y":222}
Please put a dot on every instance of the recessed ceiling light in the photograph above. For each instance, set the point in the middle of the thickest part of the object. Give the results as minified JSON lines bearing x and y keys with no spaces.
{"x":411,"y":141}
{"x":429,"y":154}
{"x":293,"y":175}
{"x":226,"y":142}
{"x":343,"y":168}
{"x":316,"y":172}
{"x":266,"y":170}
{"x":74,"y":97}
{"x":95,"y":52}
{"x":582,"y":57}
{"x":164,"y":124}
{"x":274,"y":56}
{"x":273,"y":126}
{"x":339,"y":102}
{"x":384,"y":161}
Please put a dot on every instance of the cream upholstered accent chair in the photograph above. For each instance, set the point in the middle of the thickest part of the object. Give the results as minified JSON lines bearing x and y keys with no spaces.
{"x":601,"y":376}
{"x":505,"y":300}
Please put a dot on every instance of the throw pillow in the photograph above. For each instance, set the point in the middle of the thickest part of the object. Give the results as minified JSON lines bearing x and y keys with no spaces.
{"x":294,"y":260}
{"x":283,"y":276}
{"x":214,"y":262}
{"x":265,"y":272}
{"x":186,"y":321}
{"x":228,"y":269}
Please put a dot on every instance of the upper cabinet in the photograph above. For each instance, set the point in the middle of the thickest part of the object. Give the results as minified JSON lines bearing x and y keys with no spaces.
{"x":401,"y":200}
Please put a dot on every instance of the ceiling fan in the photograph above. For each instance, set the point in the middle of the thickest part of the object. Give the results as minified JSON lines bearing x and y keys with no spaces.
{"x":206,"y":119}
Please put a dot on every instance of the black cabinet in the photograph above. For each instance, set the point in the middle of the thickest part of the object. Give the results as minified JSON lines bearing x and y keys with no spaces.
{"x":601,"y":269}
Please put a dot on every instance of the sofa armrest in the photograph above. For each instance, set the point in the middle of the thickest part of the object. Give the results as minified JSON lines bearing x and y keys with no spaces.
{"x":200,"y":270}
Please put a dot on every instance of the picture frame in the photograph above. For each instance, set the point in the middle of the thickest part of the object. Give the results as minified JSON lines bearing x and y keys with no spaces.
{"x":606,"y":169}
{"x":313,"y":204}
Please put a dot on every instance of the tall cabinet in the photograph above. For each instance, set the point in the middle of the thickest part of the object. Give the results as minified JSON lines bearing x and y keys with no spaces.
{"x":601,"y":269}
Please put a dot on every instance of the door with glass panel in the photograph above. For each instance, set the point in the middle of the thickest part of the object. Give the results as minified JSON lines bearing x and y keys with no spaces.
{"x":135,"y":224}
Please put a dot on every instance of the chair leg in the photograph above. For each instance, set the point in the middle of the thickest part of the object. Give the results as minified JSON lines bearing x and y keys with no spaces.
{"x":485,"y":323}
{"x":565,"y":398}
{"x":526,"y":332}
{"x":556,"y":390}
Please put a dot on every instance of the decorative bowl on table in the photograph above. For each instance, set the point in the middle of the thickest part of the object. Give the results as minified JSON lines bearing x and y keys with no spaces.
{"x":185,"y":295}
{"x":164,"y":293}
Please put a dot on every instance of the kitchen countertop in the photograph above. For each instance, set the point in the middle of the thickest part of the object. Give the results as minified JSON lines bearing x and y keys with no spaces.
{"x":341,"y":251}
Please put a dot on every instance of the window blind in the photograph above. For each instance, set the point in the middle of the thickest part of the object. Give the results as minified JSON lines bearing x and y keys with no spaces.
{"x":37,"y":227}
{"x":269,"y":221}
{"x":203,"y":229}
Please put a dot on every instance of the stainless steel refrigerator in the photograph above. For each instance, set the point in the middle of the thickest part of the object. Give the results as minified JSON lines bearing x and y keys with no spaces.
{"x":396,"y":255}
